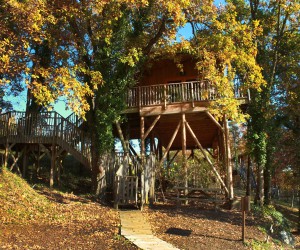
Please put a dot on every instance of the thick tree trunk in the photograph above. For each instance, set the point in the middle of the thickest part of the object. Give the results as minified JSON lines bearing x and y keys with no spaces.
{"x":248,"y":187}
{"x":259,"y":197}
{"x":95,"y":166}
{"x":267,"y":184}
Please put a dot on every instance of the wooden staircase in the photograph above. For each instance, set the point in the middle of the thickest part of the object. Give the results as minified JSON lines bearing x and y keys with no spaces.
{"x":46,"y":128}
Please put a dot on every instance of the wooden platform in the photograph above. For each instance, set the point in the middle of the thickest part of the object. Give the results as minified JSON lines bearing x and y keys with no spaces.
{"x":136,"y":229}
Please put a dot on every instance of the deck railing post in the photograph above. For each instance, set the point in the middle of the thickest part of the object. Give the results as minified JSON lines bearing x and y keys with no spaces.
{"x":192,"y":94}
{"x":54,"y":129}
{"x":183,"y":97}
{"x":165,"y":96}
{"x":139,"y":97}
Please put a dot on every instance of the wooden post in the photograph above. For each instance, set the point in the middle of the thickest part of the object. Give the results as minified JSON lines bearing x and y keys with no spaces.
{"x":165,"y":96}
{"x":6,"y":153}
{"x":152,"y":182}
{"x":52,"y":170}
{"x":207,"y":159}
{"x":151,"y":127}
{"x":122,"y":139}
{"x":142,"y":124}
{"x":7,"y":143}
{"x":170,"y":143}
{"x":245,"y":207}
{"x":159,"y":150}
{"x":184,"y":161}
{"x":243,"y":224}
{"x":38,"y":162}
{"x":140,"y":98}
{"x":192,"y":94}
{"x":25,"y":160}
{"x":228,"y":160}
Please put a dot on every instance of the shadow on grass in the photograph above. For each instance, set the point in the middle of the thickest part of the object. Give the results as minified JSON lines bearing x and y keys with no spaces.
{"x":178,"y":231}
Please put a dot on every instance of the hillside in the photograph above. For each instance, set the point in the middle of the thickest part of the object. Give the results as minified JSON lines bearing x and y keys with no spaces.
{"x":48,"y":219}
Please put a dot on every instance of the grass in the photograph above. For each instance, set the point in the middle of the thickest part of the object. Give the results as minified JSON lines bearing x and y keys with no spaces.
{"x":20,"y":203}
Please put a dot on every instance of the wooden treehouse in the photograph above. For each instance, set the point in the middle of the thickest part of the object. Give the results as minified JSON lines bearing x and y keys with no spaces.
{"x":168,"y":109}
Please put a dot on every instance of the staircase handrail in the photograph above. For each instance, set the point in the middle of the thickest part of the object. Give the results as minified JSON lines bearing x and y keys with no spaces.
{"x":46,"y":125}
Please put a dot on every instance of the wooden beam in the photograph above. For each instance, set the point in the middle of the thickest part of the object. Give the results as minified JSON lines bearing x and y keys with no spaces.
{"x":170,"y":162}
{"x":142,"y":125}
{"x":184,"y":160}
{"x":151,"y":127}
{"x":53,"y":164}
{"x":172,"y":109}
{"x":209,"y":153}
{"x":215,"y":121}
{"x":15,"y":163}
{"x":46,"y":150}
{"x":25,"y":161}
{"x":170,"y":143}
{"x":122,"y":139}
{"x":207,"y":159}
{"x":191,"y":155}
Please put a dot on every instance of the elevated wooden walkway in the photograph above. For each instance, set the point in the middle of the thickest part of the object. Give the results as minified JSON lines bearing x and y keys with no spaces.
{"x":43,"y":133}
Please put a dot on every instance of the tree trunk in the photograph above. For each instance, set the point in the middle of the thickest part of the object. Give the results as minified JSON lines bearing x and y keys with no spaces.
{"x":95,"y":166}
{"x":248,"y":187}
{"x":267,"y":184}
{"x":259,"y":197}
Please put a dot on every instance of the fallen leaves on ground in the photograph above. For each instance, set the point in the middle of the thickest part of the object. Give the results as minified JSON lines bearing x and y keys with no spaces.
{"x":202,"y":227}
{"x":48,"y":219}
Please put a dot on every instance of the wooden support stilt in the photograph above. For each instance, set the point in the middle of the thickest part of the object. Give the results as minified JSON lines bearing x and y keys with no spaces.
{"x":170,"y":143}
{"x":132,"y":150}
{"x":152,"y":143}
{"x":15,"y":161}
{"x":25,"y":161}
{"x":173,"y":158}
{"x":215,"y":121}
{"x":142,"y":125}
{"x":152,"y":181}
{"x":184,"y":158}
{"x":165,"y":154}
{"x":159,"y":149}
{"x":121,"y":136}
{"x":6,"y":143}
{"x":151,"y":127}
{"x":207,"y":159}
{"x":6,"y":154}
{"x":53,"y":164}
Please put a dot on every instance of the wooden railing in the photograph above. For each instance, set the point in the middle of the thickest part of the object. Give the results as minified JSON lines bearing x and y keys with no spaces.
{"x":75,"y":119}
{"x":47,"y":128}
{"x":163,"y":94}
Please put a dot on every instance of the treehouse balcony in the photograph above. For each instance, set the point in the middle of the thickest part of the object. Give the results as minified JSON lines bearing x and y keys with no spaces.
{"x":170,"y":101}
{"x":178,"y":97}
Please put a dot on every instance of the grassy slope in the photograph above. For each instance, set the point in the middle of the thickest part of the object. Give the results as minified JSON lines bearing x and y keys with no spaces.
{"x":48,"y":219}
{"x":20,"y":203}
